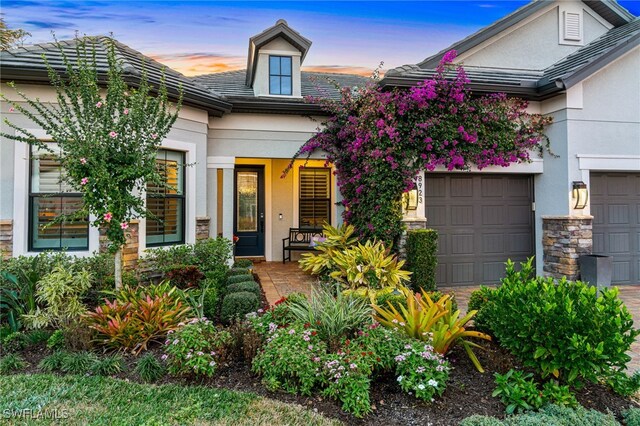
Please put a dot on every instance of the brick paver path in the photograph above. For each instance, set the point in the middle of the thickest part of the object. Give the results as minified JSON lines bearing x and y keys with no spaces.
{"x":279,"y":279}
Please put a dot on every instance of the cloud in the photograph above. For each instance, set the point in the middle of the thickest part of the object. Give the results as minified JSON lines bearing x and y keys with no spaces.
{"x":340,"y":69}
{"x":41,"y":25}
{"x":197,"y":63}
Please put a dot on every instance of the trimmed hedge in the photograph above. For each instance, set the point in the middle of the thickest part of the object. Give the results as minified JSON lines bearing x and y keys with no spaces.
{"x":238,"y":271}
{"x":422,"y":248}
{"x":237,"y":305}
{"x":549,"y":415}
{"x":477,"y":302}
{"x":239,"y":279}
{"x":243,"y":263}
{"x":250,"y":286}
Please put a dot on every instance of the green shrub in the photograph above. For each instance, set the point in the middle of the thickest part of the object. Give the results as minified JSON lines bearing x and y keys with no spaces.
{"x":565,"y":329}
{"x":78,"y":362}
{"x":11,"y":363}
{"x":53,"y":362}
{"x":250,"y":286}
{"x":197,"y":348}
{"x":37,"y":337}
{"x":478,"y":420}
{"x":551,"y":415}
{"x":624,"y":385}
{"x":234,"y":279}
{"x":632,"y":417}
{"x":108,"y":366}
{"x":478,"y":302}
{"x":519,"y":392}
{"x":149,"y":369}
{"x":57,"y":340}
{"x":15,"y":342}
{"x":243,"y":263}
{"x":238,"y":271}
{"x":422,"y":250}
{"x":237,"y":305}
{"x":208,"y":255}
{"x":184,"y":276}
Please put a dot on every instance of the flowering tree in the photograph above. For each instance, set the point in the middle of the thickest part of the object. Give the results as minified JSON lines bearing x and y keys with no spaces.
{"x":107,"y":138}
{"x":379,"y":140}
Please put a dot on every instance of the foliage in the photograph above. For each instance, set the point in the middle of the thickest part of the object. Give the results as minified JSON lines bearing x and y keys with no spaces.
{"x":78,"y":362}
{"x":11,"y":363}
{"x":632,"y":417}
{"x":184,"y":276}
{"x":243,"y":263}
{"x":234,"y":279}
{"x":14,"y":342}
{"x":347,"y":378}
{"x":422,"y":249}
{"x":37,"y":337}
{"x":422,"y":371}
{"x":149,"y":368}
{"x":369,"y":265}
{"x":623,"y":384}
{"x":333,"y":317}
{"x":519,"y":392}
{"x":322,"y":262}
{"x":196,"y":348}
{"x":477,"y":302}
{"x":61,"y":294}
{"x":108,"y":366}
{"x":53,"y":362}
{"x":378,"y":140}
{"x":565,"y":329}
{"x":133,"y":324}
{"x":56,"y":341}
{"x":237,"y":305}
{"x":238,"y":271}
{"x":246,"y":340}
{"x":210,"y":255}
{"x":549,"y":415}
{"x":17,"y":297}
{"x":250,"y":286}
{"x":435,"y":322}
{"x":10,"y":38}
{"x":291,"y":359}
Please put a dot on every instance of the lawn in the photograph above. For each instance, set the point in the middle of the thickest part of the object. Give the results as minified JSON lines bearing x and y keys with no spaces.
{"x":79,"y":400}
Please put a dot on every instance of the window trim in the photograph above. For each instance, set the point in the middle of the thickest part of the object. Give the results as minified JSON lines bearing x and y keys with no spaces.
{"x":280,"y":75}
{"x":329,"y":199}
{"x":32,"y":196}
{"x":183,"y":209}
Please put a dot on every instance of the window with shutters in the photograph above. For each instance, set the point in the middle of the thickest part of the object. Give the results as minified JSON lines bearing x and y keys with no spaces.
{"x":53,"y":206}
{"x":315,"y":197}
{"x":166,"y":203}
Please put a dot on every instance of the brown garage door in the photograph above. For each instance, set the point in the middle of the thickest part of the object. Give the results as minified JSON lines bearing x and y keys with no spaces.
{"x":482,"y":220}
{"x":615,"y":206}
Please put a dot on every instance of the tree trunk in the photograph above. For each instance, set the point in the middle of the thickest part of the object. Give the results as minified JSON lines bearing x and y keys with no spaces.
{"x":118,"y":269}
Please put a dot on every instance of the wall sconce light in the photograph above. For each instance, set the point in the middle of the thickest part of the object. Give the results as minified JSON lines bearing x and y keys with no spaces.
{"x":410,"y":200}
{"x":580,"y":194}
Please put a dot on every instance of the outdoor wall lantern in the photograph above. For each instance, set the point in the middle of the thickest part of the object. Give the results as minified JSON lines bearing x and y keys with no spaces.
{"x":411,"y":200}
{"x":580,"y":195}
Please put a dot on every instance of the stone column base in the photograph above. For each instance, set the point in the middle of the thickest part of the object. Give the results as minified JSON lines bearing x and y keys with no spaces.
{"x":6,"y":238}
{"x":202,"y":227}
{"x":564,"y":240}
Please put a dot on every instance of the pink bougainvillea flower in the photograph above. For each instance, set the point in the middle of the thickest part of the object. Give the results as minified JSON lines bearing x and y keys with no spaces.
{"x":124,"y":225}
{"x":99,"y":104}
{"x":11,"y":109}
{"x":126,"y":111}
{"x":84,"y":181}
{"x":83,"y":160}
{"x":108,"y":216}
{"x":113,"y":134}
{"x":154,"y":135}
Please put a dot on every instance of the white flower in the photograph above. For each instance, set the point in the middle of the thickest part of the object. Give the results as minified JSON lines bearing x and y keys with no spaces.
{"x":421,"y":386}
{"x":432,"y":383}
{"x":400,"y":378}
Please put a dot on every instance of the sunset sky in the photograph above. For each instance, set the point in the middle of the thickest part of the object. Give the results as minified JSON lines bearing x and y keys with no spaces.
{"x":198,"y":37}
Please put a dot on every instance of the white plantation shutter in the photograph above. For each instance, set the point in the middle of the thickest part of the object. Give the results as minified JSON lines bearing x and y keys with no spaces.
{"x":315,"y":197}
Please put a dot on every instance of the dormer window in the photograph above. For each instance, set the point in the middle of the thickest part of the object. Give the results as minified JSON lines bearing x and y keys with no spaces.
{"x":280,"y":75}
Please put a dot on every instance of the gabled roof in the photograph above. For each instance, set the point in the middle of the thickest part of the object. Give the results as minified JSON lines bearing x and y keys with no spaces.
{"x":610,"y":10}
{"x":280,"y":29}
{"x":536,"y":85}
{"x":25,"y":64}
{"x":232,"y":85}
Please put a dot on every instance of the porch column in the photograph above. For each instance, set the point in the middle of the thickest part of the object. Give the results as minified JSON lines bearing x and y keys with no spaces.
{"x":227,"y":165}
{"x":212,"y":201}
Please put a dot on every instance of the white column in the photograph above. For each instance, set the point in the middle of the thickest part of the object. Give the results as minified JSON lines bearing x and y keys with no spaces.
{"x":212,"y":201}
{"x":227,"y":203}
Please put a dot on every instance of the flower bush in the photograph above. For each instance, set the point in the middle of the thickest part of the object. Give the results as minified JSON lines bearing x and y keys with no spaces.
{"x":347,"y":377}
{"x":421,"y":371}
{"x":196,"y":348}
{"x":379,"y":139}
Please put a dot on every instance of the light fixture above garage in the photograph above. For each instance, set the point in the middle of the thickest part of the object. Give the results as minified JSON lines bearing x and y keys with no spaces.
{"x":580,"y":195}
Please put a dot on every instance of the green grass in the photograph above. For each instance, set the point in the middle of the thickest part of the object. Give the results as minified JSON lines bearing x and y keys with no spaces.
{"x":106,"y":401}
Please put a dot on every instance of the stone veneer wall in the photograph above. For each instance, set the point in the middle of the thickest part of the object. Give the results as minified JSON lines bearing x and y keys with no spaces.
{"x":411,"y":223}
{"x":202,"y":228}
{"x":564,"y":240}
{"x":131,"y":246}
{"x":6,"y":238}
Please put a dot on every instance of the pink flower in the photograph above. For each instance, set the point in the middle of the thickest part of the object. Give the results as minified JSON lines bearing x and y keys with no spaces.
{"x":154,"y":135}
{"x":84,"y":181}
{"x":126,"y":111}
{"x":108,"y":217}
{"x":83,"y":160}
{"x":113,"y":134}
{"x":11,"y":109}
{"x":99,"y":104}
{"x":124,"y":225}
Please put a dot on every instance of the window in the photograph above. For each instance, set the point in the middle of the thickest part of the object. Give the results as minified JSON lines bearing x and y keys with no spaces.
{"x":280,"y":75}
{"x":315,"y":197}
{"x":166,"y":203}
{"x":50,"y":198}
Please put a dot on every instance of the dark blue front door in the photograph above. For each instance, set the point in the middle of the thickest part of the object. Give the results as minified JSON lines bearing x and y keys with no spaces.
{"x":248,"y":222}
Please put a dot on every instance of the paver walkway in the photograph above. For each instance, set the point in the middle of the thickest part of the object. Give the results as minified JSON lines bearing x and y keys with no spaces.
{"x":279,"y":279}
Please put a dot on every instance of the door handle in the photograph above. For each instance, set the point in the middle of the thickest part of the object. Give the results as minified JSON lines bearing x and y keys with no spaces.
{"x":262,"y":223}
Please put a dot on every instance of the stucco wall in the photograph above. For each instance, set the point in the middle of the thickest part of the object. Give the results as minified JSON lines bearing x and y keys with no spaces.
{"x":534,"y":45}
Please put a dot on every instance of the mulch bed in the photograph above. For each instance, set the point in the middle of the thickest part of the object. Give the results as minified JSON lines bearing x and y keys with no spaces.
{"x":468,"y":391}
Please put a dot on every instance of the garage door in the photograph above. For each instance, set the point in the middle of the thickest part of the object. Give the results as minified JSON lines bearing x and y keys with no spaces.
{"x":615,"y":206}
{"x":482,"y":221}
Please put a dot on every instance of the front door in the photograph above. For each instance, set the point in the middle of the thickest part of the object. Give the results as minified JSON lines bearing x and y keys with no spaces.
{"x":248,"y":222}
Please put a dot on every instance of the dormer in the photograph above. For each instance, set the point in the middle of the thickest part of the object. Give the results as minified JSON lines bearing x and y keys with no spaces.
{"x":274,"y":61}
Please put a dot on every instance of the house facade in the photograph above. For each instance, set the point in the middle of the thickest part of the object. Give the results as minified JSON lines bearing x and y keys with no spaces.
{"x":576,"y":61}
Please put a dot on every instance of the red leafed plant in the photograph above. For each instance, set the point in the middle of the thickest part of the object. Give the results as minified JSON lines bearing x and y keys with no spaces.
{"x":132,"y":325}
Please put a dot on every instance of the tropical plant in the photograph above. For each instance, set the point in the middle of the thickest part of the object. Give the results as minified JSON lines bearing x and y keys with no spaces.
{"x":60,"y":292}
{"x":53,"y":362}
{"x":78,"y":362}
{"x":108,"y":139}
{"x":108,"y":365}
{"x":11,"y":363}
{"x":56,"y":340}
{"x":336,"y":240}
{"x":184,"y":276}
{"x":17,"y":297}
{"x":149,"y":368}
{"x":10,"y":38}
{"x":430,"y":321}
{"x":334,"y":317}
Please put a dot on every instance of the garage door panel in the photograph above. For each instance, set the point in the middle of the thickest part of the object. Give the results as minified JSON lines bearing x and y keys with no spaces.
{"x":520,"y":243}
{"x":615,"y":206}
{"x":519,"y":215}
{"x":493,"y":243}
{"x":517,"y":188}
{"x":492,"y":271}
{"x":461,"y":187}
{"x":462,"y":215}
{"x":462,"y":273}
{"x":492,"y":215}
{"x":462,"y":244}
{"x":437,"y":215}
{"x":491,"y":187}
